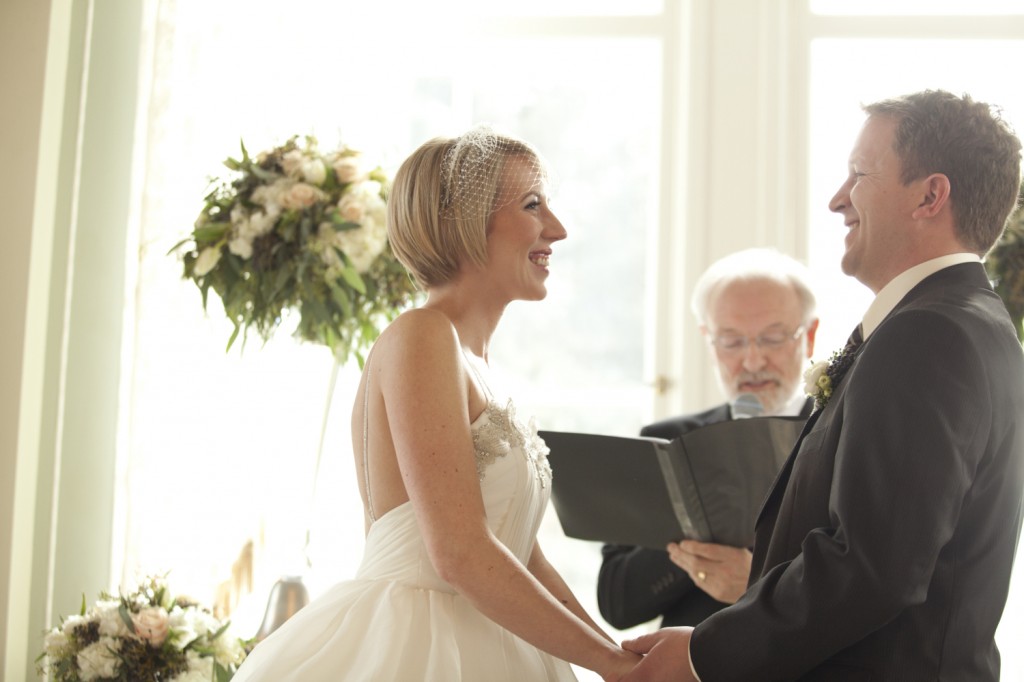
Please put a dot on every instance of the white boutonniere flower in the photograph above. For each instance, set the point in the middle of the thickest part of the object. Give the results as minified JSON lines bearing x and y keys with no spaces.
{"x":822,"y":378}
{"x":818,"y":384}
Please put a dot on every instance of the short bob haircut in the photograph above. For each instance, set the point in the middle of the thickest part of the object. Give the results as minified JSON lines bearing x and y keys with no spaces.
{"x":442,"y":199}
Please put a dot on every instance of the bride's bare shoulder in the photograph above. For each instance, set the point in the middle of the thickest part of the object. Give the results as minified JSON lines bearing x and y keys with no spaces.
{"x":422,"y":331}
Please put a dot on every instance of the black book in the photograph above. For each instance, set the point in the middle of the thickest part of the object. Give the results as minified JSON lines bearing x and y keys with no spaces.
{"x":707,"y":485}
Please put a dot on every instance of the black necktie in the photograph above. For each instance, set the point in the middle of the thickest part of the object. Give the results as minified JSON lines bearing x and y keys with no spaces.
{"x":856,"y":338}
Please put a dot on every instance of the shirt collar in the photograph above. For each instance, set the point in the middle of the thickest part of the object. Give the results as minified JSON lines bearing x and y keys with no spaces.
{"x":893,"y":292}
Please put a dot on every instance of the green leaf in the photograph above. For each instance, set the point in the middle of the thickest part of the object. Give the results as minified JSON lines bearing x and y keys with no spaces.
{"x":265,"y":175}
{"x":234,"y":335}
{"x":122,"y":610}
{"x":221,"y":674}
{"x":340,"y":297}
{"x":353,"y":279}
{"x":178,"y":245}
{"x":210,"y":232}
{"x":82,"y":612}
{"x":220,"y":630}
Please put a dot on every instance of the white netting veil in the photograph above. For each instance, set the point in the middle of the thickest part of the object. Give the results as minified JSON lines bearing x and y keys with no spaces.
{"x":477,"y":177}
{"x":445,"y":193}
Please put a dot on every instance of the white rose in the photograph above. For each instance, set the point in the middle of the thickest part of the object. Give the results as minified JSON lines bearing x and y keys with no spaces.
{"x":111,"y":623}
{"x":241,"y":247}
{"x":348,"y":169}
{"x":270,"y":195}
{"x":71,"y":622}
{"x":192,"y":623}
{"x":812,"y":375}
{"x":301,"y":195}
{"x":313,"y":171}
{"x":99,"y":660}
{"x":55,"y":643}
{"x":228,"y":650}
{"x":151,"y":625}
{"x":262,"y":222}
{"x":200,"y":668}
{"x":207,"y":260}
{"x":362,"y":245}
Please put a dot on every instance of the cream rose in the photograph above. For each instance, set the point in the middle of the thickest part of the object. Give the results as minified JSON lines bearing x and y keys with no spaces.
{"x":351,"y":208}
{"x":348,"y":169}
{"x":292,"y":162}
{"x":151,"y":625}
{"x":301,"y":195}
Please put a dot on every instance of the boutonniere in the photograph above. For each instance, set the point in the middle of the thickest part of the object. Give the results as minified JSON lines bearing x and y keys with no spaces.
{"x":821,"y":379}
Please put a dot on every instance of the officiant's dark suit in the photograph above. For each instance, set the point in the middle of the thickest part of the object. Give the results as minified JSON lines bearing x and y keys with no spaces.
{"x":756,"y":309}
{"x":885,"y":548}
{"x":637,"y":584}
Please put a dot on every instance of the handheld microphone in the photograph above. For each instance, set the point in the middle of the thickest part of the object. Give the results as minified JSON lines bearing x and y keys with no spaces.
{"x":747,"y":405}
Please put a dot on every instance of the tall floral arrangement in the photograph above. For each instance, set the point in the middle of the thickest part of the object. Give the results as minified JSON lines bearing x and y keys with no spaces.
{"x":147,"y":634}
{"x":299,"y":231}
{"x":1005,"y":265}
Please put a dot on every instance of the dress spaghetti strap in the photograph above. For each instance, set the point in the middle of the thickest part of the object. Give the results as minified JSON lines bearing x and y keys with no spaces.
{"x":366,"y":441}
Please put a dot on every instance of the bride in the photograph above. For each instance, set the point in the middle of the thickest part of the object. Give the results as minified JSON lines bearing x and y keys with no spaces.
{"x":453,"y":585}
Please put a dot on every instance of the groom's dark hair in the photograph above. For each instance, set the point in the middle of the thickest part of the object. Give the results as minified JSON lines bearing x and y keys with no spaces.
{"x":969,"y":143}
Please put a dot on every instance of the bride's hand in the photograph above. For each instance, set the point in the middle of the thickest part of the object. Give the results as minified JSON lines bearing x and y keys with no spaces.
{"x":624,"y":661}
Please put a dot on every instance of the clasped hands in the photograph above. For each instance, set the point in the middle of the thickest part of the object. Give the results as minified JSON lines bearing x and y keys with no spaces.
{"x":665,"y":657}
{"x":720,"y":571}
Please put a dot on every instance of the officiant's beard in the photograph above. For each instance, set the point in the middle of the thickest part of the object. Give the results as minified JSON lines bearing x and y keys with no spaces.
{"x":775,"y":395}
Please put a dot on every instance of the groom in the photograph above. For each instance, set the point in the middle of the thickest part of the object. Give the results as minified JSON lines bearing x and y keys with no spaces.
{"x":884,"y":551}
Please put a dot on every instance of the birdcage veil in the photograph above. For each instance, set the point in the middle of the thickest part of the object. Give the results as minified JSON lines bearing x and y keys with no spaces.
{"x":477,"y":177}
{"x":446,"y":192}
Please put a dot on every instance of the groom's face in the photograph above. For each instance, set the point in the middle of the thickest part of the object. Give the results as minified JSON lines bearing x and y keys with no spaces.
{"x":877,"y":208}
{"x":760,"y":341}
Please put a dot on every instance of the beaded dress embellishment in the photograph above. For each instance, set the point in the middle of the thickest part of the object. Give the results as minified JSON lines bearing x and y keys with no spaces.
{"x":502,"y":432}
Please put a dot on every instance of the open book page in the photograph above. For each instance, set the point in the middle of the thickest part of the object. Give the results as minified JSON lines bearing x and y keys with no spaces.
{"x":707,"y":485}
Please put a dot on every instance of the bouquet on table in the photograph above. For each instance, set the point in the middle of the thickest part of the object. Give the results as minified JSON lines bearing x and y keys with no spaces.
{"x":145,"y":635}
{"x":299,"y":230}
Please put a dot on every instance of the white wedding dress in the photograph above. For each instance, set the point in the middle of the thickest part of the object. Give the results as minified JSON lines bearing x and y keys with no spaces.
{"x":397,"y":620}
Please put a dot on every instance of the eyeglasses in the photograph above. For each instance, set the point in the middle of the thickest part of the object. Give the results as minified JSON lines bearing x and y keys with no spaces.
{"x":767,"y":341}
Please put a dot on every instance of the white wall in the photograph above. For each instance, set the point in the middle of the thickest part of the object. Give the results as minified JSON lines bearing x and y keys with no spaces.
{"x":70,"y":70}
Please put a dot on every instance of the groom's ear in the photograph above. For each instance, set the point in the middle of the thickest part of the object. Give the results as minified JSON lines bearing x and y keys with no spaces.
{"x":934,"y":196}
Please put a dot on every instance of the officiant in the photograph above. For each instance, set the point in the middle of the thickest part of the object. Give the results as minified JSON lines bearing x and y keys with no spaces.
{"x":756,"y":309}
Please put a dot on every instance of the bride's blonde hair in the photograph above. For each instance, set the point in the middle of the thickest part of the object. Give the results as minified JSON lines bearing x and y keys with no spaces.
{"x":443,"y":197}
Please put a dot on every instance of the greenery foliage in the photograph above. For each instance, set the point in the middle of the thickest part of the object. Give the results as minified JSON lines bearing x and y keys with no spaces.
{"x":1005,"y":265}
{"x":296,"y":231}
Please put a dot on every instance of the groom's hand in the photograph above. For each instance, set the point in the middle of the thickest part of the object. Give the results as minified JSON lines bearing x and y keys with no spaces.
{"x":666,"y":656}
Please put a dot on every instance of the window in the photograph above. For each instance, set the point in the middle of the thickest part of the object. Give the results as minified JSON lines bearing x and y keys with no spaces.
{"x":240,"y":431}
{"x":845,"y":72}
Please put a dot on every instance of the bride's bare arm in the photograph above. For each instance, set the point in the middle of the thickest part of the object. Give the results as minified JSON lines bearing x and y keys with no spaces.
{"x":426,"y":393}
{"x":556,"y":585}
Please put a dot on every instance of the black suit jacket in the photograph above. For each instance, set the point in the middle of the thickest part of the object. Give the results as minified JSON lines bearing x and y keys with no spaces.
{"x":884,"y":550}
{"x":637,"y":584}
